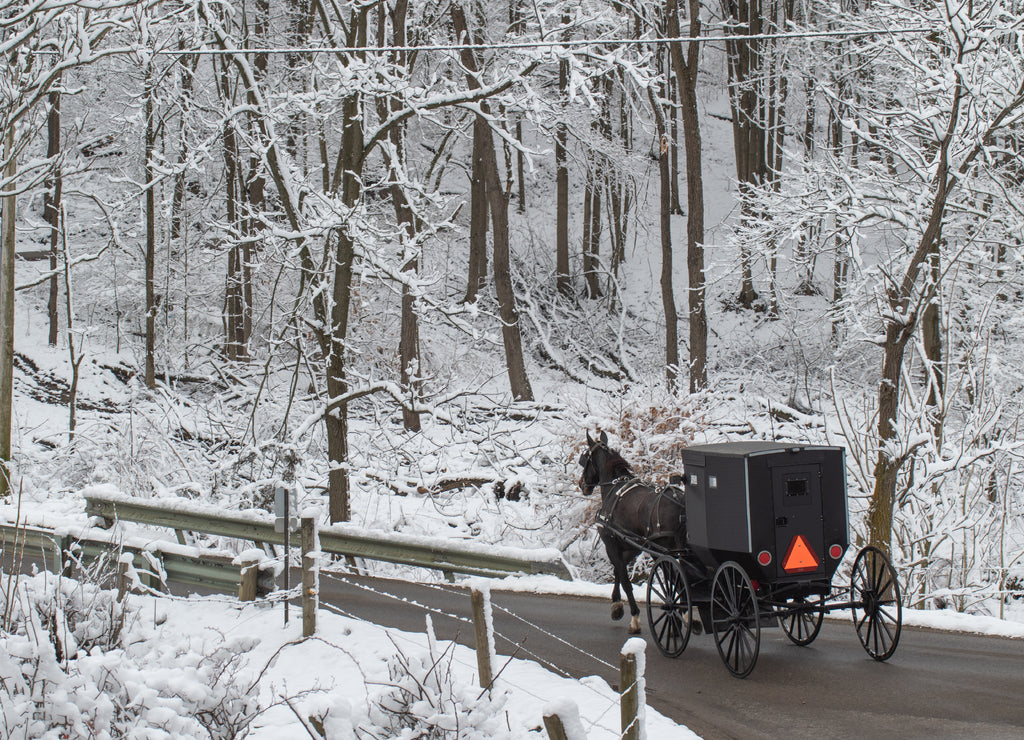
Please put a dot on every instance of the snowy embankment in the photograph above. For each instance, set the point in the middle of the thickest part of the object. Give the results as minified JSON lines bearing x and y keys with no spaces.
{"x":82,"y":665}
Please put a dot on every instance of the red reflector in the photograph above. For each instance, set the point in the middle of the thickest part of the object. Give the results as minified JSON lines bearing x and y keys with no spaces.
{"x":800,"y":557}
{"x":755,"y":584}
{"x":835,"y":552}
{"x":764,"y":557}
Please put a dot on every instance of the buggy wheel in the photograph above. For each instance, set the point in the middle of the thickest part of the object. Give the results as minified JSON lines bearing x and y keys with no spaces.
{"x":877,"y":609}
{"x":669,"y":621}
{"x":801,"y":619}
{"x":734,"y":619}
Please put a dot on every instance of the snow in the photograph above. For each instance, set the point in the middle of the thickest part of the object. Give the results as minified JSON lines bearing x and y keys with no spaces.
{"x":179,"y":657}
{"x":951,"y":621}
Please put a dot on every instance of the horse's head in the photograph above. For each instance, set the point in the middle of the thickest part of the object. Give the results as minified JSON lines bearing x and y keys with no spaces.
{"x":600,"y":464}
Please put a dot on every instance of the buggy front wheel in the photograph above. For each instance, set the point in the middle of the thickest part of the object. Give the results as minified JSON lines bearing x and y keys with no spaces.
{"x":877,"y":610}
{"x":734,"y":619}
{"x":668,"y":607}
{"x":801,"y":619}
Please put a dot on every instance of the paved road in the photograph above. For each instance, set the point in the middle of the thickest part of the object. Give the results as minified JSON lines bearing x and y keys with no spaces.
{"x":938,"y":685}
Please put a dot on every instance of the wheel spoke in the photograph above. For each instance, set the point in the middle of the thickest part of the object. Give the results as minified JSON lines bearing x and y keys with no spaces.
{"x":879,"y":638}
{"x":860,"y":624}
{"x":732,"y":644}
{"x":885,"y":626}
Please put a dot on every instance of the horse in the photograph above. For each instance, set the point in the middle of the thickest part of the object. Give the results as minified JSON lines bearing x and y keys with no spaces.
{"x":632,"y":513}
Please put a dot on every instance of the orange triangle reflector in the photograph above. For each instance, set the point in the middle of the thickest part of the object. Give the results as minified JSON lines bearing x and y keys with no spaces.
{"x":800,"y":557}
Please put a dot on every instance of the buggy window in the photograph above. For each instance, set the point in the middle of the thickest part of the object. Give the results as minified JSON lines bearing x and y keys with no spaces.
{"x":796,"y":487}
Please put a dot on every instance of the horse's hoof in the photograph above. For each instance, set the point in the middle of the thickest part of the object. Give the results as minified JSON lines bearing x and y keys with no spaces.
{"x":634,"y":626}
{"x":618,"y":612}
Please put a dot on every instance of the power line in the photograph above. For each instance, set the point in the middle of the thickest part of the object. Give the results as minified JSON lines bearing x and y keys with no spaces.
{"x":523,"y":45}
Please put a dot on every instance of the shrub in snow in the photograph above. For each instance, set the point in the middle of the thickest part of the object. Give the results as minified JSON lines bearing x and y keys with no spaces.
{"x":427,"y":698}
{"x":76,"y":663}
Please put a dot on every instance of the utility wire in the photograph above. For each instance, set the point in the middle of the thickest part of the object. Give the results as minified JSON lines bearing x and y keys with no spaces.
{"x":514,"y":45}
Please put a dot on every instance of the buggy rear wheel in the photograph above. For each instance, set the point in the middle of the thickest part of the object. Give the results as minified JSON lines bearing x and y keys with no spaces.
{"x":801,"y":619}
{"x":669,"y":621}
{"x":734,"y":619}
{"x":877,"y":608}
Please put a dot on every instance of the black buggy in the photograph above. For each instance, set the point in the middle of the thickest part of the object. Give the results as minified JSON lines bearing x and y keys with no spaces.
{"x":766,"y":529}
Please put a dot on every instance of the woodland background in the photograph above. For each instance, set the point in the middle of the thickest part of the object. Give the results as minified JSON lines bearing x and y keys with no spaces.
{"x":402,"y":254}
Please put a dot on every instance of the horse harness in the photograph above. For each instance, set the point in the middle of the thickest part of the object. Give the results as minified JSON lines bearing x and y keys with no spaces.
{"x":659,"y":521}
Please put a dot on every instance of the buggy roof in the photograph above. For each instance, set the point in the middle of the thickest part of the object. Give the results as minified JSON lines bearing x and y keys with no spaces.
{"x":747,"y":449}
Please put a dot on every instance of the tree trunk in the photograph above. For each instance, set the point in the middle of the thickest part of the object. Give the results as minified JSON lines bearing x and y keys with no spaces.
{"x":673,"y":120}
{"x":409,"y":340}
{"x":7,"y":246}
{"x":187,"y":66}
{"x":931,"y":335}
{"x":233,"y":297}
{"x":668,"y":300}
{"x":51,"y":209}
{"x":148,"y":179}
{"x":747,"y":71}
{"x":349,"y":169}
{"x":686,"y":73}
{"x":563,"y":280}
{"x":592,"y":229}
{"x":498,"y":202}
{"x":517,"y":26}
{"x":478,"y":213}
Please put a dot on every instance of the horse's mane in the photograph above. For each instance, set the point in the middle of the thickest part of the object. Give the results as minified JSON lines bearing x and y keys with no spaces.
{"x":617,"y":465}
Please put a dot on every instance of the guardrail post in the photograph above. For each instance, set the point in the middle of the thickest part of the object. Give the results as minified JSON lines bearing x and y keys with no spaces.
{"x":249,"y":574}
{"x":68,"y":559}
{"x":310,"y":576}
{"x":125,"y":563}
{"x":630,"y":688}
{"x":481,"y":602}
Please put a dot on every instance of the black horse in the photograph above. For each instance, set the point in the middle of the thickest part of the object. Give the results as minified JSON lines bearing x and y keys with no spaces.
{"x":633,"y":515}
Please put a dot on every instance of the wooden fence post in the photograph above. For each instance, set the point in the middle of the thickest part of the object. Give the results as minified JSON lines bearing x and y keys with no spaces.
{"x":562,"y":720}
{"x":310,"y":576}
{"x":553,"y":724}
{"x":629,"y":689}
{"x":481,"y":604}
{"x":248,"y":578}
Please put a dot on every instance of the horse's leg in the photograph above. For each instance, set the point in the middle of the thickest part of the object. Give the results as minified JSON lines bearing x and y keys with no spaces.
{"x":618,"y":568}
{"x":634,"y":610}
{"x":622,"y":577}
{"x":618,"y":611}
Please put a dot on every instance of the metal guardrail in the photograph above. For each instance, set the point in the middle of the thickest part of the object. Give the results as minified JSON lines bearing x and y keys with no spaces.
{"x":155,"y":566}
{"x":336,"y":539}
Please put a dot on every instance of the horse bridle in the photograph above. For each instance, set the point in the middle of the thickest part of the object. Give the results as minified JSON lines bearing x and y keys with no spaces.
{"x":585,"y":459}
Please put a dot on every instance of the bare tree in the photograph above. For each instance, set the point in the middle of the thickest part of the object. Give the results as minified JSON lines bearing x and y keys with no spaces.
{"x":7,"y":245}
{"x":52,"y":206}
{"x":563,"y":279}
{"x":498,"y":203}
{"x":668,"y":300}
{"x":686,"y":73}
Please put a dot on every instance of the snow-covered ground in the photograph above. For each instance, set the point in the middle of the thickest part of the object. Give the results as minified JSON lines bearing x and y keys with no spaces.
{"x":210,"y":666}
